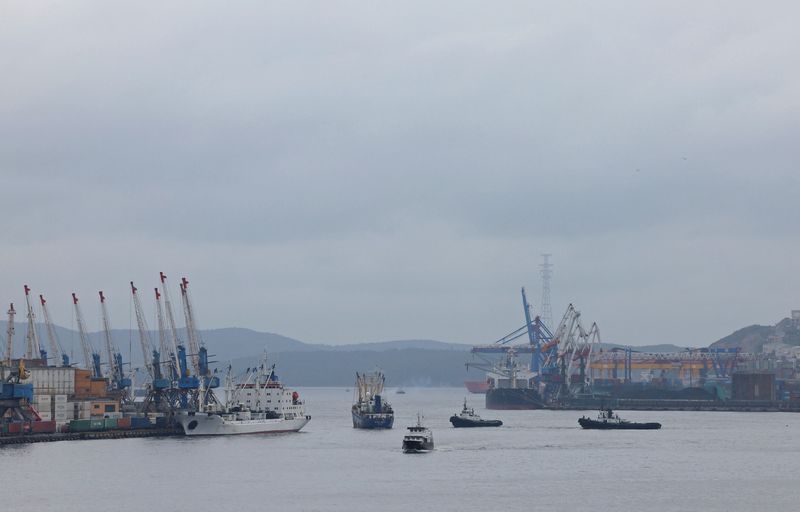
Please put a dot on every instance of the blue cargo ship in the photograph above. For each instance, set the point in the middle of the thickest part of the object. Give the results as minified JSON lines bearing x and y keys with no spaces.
{"x":371,"y":411}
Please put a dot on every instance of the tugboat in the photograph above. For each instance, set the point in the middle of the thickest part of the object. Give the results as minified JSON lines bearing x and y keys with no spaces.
{"x":419,"y":439}
{"x":468,"y":418}
{"x":371,"y":411}
{"x":607,"y":420}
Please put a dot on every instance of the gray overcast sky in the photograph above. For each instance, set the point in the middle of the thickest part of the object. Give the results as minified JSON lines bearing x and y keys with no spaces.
{"x":356,"y":171}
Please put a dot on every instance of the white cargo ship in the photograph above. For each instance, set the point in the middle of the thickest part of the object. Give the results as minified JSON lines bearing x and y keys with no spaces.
{"x":259,"y":405}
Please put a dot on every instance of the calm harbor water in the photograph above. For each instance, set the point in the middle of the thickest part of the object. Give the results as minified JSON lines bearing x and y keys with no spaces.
{"x":539,"y":460}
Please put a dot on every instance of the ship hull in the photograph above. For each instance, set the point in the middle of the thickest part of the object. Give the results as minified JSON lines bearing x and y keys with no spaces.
{"x":372,"y":421}
{"x":417,"y":446}
{"x":478,"y":387}
{"x":459,"y":422}
{"x":214,"y":425}
{"x":590,"y":424}
{"x":513,"y":399}
{"x":638,"y":391}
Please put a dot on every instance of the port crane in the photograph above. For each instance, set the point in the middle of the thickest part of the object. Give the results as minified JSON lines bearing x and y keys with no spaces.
{"x":91,"y":358}
{"x":207,"y":379}
{"x":538,"y":337}
{"x":574,"y":345}
{"x":187,"y":384}
{"x":158,"y":389}
{"x":163,"y":341}
{"x":116,"y":374}
{"x":55,"y":346}
{"x":9,"y":349}
{"x":33,"y":348}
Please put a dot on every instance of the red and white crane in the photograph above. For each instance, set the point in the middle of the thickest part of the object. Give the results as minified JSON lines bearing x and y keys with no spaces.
{"x":167,"y":353}
{"x":116,"y":372}
{"x":90,"y":357}
{"x":170,"y":318}
{"x":144,"y":333}
{"x":55,"y":347}
{"x":32,"y":347}
{"x":191,"y":331}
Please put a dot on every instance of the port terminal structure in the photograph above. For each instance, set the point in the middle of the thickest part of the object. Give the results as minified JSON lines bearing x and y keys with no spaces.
{"x":182,"y":379}
{"x":43,"y":393}
{"x":558,"y":360}
{"x":571,"y":366}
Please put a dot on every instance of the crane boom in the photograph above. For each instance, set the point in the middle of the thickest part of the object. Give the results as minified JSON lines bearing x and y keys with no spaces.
{"x":107,"y":332}
{"x":90,"y":358}
{"x":10,"y":335}
{"x":163,"y":342}
{"x":32,"y":347}
{"x":144,"y":333}
{"x":173,"y":331}
{"x":57,"y":352}
{"x":191,"y":332}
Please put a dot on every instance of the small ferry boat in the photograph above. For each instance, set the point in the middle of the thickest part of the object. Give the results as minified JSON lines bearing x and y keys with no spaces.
{"x":468,"y":418}
{"x":607,"y":420}
{"x":418,"y":439}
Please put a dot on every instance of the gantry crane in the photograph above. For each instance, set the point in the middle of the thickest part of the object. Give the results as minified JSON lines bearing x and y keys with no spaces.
{"x":55,"y":347}
{"x":91,"y":357}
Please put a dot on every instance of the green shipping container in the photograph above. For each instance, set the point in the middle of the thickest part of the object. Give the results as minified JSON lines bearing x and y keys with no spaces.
{"x":111,"y":423}
{"x":80,"y":425}
{"x":97,"y":424}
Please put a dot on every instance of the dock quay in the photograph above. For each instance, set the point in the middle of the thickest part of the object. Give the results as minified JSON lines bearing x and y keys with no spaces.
{"x":82,"y":436}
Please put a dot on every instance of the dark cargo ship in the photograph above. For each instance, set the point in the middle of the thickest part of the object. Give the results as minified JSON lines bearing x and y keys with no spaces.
{"x":371,"y":411}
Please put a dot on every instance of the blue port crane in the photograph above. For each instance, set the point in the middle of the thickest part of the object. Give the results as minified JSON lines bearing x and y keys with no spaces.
{"x":158,"y":387}
{"x":208,"y":381}
{"x":186,"y":384}
{"x":91,"y":357}
{"x":538,"y":337}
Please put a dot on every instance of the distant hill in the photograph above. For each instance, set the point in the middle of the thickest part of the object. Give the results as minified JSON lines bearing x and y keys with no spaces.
{"x":401,"y":345}
{"x":223,"y":344}
{"x":405,"y":367}
{"x":752,"y":338}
